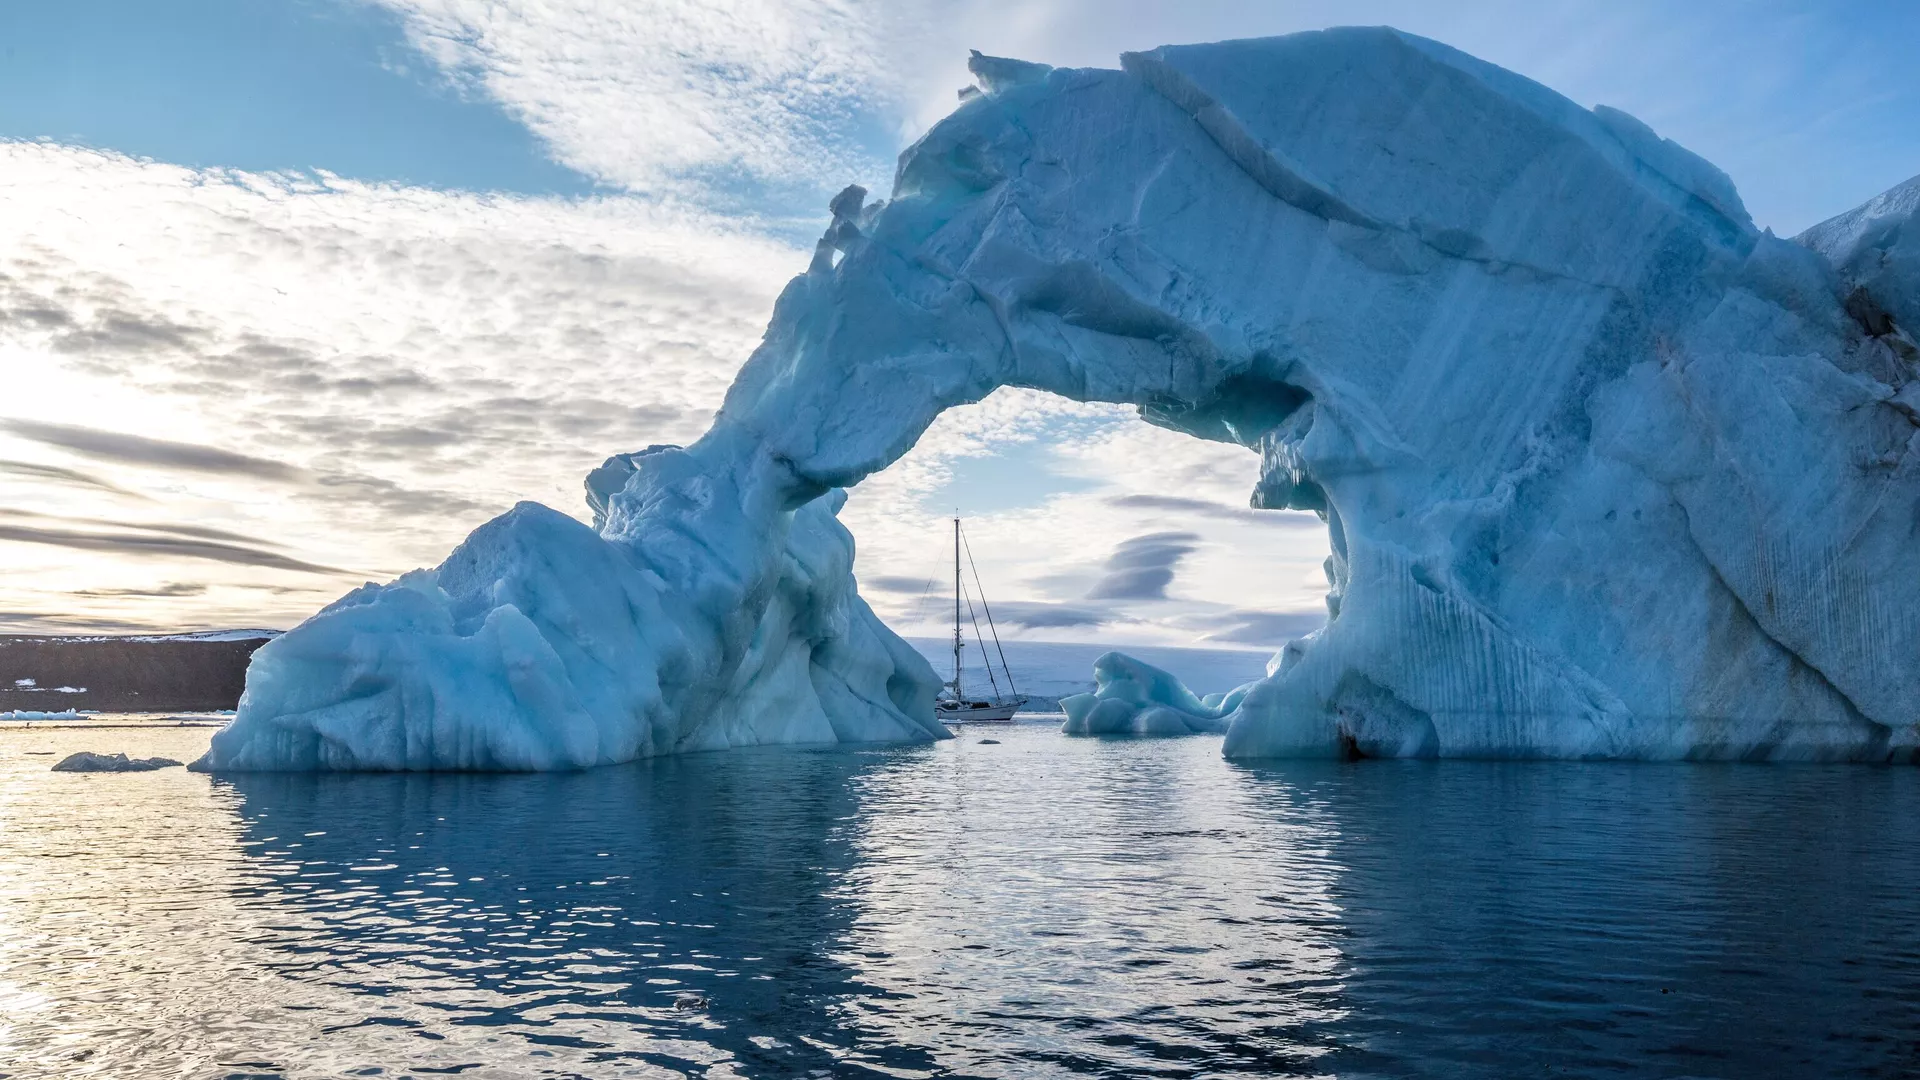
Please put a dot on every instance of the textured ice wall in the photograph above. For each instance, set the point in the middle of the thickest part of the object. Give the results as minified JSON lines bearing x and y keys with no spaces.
{"x":1876,"y":249}
{"x":1607,"y":471}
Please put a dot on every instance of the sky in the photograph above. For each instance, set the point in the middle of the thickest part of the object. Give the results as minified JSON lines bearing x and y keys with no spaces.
{"x":294,"y":295}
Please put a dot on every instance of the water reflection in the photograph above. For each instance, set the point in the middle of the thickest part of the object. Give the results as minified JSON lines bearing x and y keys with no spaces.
{"x":575,"y":918}
{"x":1034,"y":908}
{"x":1596,"y":920}
{"x":1088,"y":907}
{"x":1039,"y":907}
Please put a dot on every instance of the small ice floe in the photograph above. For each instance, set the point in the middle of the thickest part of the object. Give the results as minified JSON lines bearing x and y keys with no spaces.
{"x":32,"y":714}
{"x":33,"y":686}
{"x":690,"y":1002}
{"x":86,"y":761}
{"x":1131,"y":697}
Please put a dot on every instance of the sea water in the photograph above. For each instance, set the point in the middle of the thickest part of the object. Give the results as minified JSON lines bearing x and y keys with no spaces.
{"x":1032,"y":906}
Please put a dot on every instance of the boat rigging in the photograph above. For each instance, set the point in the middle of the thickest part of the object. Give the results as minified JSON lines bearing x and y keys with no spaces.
{"x":954,"y":705}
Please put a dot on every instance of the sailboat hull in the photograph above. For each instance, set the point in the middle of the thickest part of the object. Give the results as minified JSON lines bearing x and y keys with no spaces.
{"x":985,"y":714}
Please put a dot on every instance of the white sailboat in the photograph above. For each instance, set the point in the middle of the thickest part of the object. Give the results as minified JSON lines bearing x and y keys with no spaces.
{"x":955,"y":705}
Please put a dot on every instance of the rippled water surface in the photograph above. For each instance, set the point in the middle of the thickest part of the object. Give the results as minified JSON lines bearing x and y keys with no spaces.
{"x":1040,"y":907}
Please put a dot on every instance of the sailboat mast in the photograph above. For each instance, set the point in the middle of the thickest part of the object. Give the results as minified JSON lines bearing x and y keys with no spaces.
{"x":956,"y":610}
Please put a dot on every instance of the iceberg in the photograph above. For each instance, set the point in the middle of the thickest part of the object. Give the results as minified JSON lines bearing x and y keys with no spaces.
{"x":1135,"y":698}
{"x":1607,"y":471}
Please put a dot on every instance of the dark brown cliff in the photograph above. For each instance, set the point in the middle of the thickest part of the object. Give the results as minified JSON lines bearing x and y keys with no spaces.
{"x":125,"y":674}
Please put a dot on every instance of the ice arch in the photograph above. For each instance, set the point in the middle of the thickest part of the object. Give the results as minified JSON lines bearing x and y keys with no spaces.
{"x":1608,"y":472}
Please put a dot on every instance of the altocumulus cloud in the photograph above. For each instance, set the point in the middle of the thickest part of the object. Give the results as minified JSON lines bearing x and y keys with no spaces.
{"x":372,"y":369}
{"x":679,"y":95}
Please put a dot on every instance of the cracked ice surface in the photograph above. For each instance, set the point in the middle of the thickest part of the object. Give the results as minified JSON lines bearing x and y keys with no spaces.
{"x":1607,"y":471}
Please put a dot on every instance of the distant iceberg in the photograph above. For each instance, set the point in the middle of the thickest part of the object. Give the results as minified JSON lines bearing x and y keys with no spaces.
{"x":1135,"y":698}
{"x":1608,"y":472}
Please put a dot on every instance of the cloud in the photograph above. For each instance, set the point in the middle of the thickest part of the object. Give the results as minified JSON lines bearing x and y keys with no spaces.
{"x":679,"y":95}
{"x":199,"y":532}
{"x":1141,"y":568}
{"x":150,"y":544}
{"x":367,"y":370}
{"x":124,"y":333}
{"x":60,"y":474}
{"x":1270,"y":628}
{"x":1207,"y":508}
{"x":894,"y":583}
{"x":168,"y":590}
{"x":936,"y":608}
{"x":1031,"y":615}
{"x":139,"y":450}
{"x":372,"y":492}
{"x":49,"y":622}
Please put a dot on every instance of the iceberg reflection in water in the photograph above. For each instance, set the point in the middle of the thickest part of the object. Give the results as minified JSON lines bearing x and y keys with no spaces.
{"x":1037,"y":907}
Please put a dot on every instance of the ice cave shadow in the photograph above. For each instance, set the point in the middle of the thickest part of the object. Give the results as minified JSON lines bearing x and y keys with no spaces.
{"x":612,"y":911}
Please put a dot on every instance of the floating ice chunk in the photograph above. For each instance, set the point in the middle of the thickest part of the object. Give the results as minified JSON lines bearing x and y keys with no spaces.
{"x":33,"y":714}
{"x":1131,"y":697}
{"x":85,"y":761}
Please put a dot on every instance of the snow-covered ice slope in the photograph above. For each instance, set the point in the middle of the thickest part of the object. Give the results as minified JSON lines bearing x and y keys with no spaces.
{"x":1607,"y":471}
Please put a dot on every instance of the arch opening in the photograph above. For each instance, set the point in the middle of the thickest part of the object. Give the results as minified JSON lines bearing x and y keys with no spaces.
{"x":1089,"y":526}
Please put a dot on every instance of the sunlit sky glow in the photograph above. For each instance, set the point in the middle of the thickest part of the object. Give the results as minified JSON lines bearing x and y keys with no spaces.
{"x":294,"y":295}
